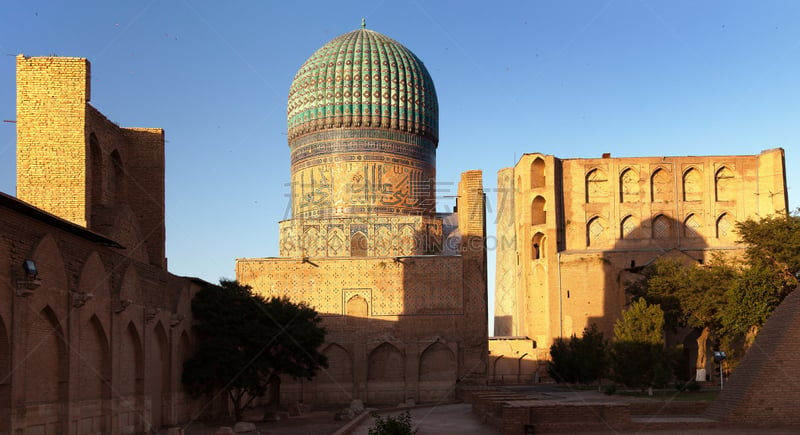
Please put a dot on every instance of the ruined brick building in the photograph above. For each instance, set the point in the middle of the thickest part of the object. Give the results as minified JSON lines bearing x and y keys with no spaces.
{"x":93,"y":328}
{"x":402,"y":289}
{"x":571,"y":232}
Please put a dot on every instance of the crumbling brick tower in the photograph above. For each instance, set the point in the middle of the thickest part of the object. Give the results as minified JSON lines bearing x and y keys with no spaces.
{"x":76,"y":164}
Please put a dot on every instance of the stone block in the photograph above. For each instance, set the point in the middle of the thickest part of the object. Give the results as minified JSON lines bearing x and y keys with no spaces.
{"x":244,"y":426}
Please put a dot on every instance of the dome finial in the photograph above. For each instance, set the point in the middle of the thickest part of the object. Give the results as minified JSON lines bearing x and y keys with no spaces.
{"x":363,"y":23}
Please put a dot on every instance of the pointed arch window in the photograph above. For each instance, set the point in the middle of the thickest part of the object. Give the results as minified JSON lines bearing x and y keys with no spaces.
{"x":627,"y":228}
{"x":691,"y":226}
{"x":596,"y":186}
{"x":692,"y":185}
{"x":537,"y":173}
{"x":661,"y":186}
{"x":628,"y":186}
{"x":357,"y":306}
{"x":724,"y":226}
{"x":723,"y":184}
{"x":537,"y":246}
{"x":595,"y":230}
{"x":538,"y":212}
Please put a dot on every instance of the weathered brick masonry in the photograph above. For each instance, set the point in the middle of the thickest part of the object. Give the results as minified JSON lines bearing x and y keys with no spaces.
{"x":94,"y":340}
{"x":572,"y":232}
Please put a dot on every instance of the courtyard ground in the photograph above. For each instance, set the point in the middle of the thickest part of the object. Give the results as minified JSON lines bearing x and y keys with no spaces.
{"x":457,"y":418}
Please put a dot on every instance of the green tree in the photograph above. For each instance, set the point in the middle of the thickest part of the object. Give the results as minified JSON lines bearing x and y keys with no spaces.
{"x":728,"y":298}
{"x":579,"y":360}
{"x":773,"y":241}
{"x":246,"y":341}
{"x":640,"y":364}
{"x":770,"y":273}
{"x":641,"y":322}
{"x":692,"y":295}
{"x":637,"y":357}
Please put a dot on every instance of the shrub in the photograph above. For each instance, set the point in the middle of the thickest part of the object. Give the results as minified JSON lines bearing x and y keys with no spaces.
{"x":639,"y":364}
{"x":691,"y":386}
{"x":389,"y":425}
{"x":578,"y":360}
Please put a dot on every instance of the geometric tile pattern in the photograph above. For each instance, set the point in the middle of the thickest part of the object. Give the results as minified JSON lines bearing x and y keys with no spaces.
{"x":386,"y":236}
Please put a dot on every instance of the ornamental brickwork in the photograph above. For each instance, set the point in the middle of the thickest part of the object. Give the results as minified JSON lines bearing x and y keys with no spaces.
{"x":401,"y":288}
{"x":400,"y":326}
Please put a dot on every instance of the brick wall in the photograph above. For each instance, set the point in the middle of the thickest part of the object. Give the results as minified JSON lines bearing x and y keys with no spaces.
{"x":402,"y":327}
{"x":52,"y":93}
{"x":75,"y":163}
{"x":763,"y":389}
{"x":593,"y":219}
{"x":82,"y":363}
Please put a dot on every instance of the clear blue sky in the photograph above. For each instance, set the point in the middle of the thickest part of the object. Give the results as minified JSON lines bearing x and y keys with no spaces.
{"x":568,"y":78}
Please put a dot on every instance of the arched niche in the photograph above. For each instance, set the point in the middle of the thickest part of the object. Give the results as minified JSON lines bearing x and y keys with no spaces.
{"x":596,"y":186}
{"x":537,"y":173}
{"x":386,"y":364}
{"x":438,"y":363}
{"x":358,"y":245}
{"x":661,"y":186}
{"x":538,"y":211}
{"x":692,"y":185}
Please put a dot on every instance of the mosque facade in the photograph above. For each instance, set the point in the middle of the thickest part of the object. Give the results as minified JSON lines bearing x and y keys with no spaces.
{"x":401,"y":288}
{"x":572,"y":232}
{"x":94,"y":329}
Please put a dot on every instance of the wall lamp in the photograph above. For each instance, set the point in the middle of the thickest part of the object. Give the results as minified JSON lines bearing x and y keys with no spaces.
{"x":29,"y":266}
{"x":30,"y":281}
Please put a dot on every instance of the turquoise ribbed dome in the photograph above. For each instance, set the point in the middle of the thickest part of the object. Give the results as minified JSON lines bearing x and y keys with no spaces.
{"x":363,"y":79}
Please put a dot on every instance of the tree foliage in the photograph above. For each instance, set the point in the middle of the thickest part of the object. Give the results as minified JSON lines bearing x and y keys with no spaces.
{"x":637,"y":357}
{"x":728,"y":298}
{"x":773,"y":241}
{"x":389,"y":425}
{"x":641,"y":322}
{"x":579,"y":360}
{"x":755,"y":295}
{"x":640,"y":364}
{"x":690,"y":295}
{"x":245,"y":340}
{"x":693,"y":295}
